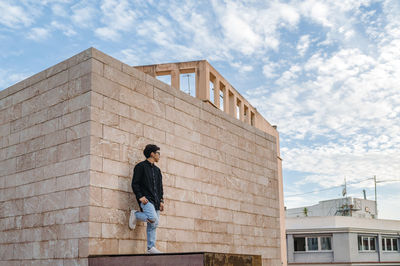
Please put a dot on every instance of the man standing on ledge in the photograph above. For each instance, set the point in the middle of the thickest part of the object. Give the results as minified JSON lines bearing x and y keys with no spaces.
{"x":148,"y":188}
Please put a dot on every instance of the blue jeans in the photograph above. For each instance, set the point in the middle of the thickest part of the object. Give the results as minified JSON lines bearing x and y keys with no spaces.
{"x":149,"y":213}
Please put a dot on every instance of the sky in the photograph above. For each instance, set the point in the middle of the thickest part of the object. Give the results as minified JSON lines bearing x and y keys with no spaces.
{"x":327,"y":73}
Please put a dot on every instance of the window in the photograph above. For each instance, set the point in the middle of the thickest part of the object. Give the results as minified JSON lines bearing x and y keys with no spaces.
{"x":188,"y":82}
{"x":299,"y":244}
{"x":237,"y":111}
{"x":252,"y":119}
{"x":326,"y":243}
{"x":314,"y":243}
{"x":165,"y":78}
{"x":212,"y":92}
{"x":390,"y":244}
{"x":221,"y":100}
{"x":366,"y":243}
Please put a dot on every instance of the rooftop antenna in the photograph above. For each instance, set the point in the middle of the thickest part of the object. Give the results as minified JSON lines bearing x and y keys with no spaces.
{"x":188,"y":76}
{"x":344,"y":192}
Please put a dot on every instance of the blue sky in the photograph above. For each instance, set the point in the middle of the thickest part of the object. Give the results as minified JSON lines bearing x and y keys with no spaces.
{"x":327,"y":73}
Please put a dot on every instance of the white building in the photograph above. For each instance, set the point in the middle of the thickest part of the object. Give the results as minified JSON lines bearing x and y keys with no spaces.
{"x":339,"y":240}
{"x":349,"y":206}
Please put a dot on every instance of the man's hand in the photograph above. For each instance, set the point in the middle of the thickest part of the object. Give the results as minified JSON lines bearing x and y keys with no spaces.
{"x":161,"y":206}
{"x":143,"y":200}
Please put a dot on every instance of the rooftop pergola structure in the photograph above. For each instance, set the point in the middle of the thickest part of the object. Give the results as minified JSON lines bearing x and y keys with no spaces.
{"x":208,"y":79}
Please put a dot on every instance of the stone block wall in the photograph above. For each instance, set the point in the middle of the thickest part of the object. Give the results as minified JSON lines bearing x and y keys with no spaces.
{"x":44,"y":166}
{"x":70,"y":137}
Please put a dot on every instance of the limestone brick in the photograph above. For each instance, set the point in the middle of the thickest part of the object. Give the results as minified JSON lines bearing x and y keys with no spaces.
{"x":6,"y":252}
{"x":164,"y":97}
{"x":117,"y":75}
{"x":128,"y":246}
{"x":178,"y":194}
{"x":154,"y":134}
{"x":114,"y":199}
{"x":66,"y":248}
{"x":80,"y":131}
{"x":180,"y":168}
{"x":116,"y":135}
{"x":186,"y":107}
{"x":189,"y":210}
{"x":105,"y":86}
{"x":108,"y":215}
{"x":142,"y":87}
{"x":79,"y":86}
{"x":106,"y":59}
{"x":116,"y":167}
{"x":95,"y":196}
{"x":103,"y":246}
{"x":100,"y":179}
{"x":179,"y":117}
{"x":74,"y":230}
{"x":83,"y":248}
{"x":23,"y":251}
{"x":131,"y":126}
{"x":74,"y":262}
{"x":77,"y":197}
{"x":133,"y":71}
{"x":188,"y":184}
{"x":180,"y":223}
{"x":77,"y":165}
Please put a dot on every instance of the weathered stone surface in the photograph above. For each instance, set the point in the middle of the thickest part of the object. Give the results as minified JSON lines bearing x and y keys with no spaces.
{"x":69,"y":139}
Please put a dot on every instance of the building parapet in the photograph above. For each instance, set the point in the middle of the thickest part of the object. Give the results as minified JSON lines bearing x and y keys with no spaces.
{"x":233,"y":103}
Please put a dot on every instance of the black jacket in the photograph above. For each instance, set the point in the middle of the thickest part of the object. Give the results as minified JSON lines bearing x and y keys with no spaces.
{"x":147,"y":181}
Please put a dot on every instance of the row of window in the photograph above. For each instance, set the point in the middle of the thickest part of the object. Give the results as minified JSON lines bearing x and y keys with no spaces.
{"x":323,"y":243}
{"x":315,"y":243}
{"x":367,"y":243}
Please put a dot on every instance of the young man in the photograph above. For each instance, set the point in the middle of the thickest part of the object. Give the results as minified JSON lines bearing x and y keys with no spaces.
{"x":148,"y":188}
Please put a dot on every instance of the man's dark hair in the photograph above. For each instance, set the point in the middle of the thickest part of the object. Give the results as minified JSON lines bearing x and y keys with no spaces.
{"x":149,"y":149}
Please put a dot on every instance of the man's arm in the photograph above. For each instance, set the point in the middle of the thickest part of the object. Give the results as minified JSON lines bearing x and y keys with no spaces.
{"x":138,"y":173}
{"x":161,"y":188}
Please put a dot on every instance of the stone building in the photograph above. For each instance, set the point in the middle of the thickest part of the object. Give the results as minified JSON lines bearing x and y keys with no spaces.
{"x":71,"y":134}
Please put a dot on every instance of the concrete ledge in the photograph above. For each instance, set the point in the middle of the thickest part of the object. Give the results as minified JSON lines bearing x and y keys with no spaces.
{"x":177,"y":259}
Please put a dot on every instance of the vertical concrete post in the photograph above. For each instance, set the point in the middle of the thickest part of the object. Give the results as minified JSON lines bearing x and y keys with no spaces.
{"x":232,"y":104}
{"x":379,"y":246}
{"x":247,"y":116}
{"x":175,"y":76}
{"x":203,"y":81}
{"x":226,"y":99}
{"x":216,"y":92}
{"x":241,"y":111}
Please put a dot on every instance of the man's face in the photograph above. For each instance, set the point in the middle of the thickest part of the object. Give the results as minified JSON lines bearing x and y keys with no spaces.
{"x":156,"y":156}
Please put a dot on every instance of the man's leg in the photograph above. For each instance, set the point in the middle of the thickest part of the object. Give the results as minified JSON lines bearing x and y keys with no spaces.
{"x":151,"y":216}
{"x":152,"y":231}
{"x":148,"y":213}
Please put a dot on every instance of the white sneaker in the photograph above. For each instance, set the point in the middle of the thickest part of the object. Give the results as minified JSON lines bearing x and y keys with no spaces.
{"x":132,"y":220}
{"x":153,"y":250}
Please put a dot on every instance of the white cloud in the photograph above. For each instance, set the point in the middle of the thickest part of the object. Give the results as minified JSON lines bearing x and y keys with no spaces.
{"x":38,"y":34}
{"x":338,"y":113}
{"x":118,"y":16}
{"x":66,"y":29}
{"x":270,"y":69}
{"x":303,"y":44}
{"x":14,"y":16}
{"x":59,"y":10}
{"x":130,"y":57}
{"x":8,"y":78}
{"x":83,"y":15}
